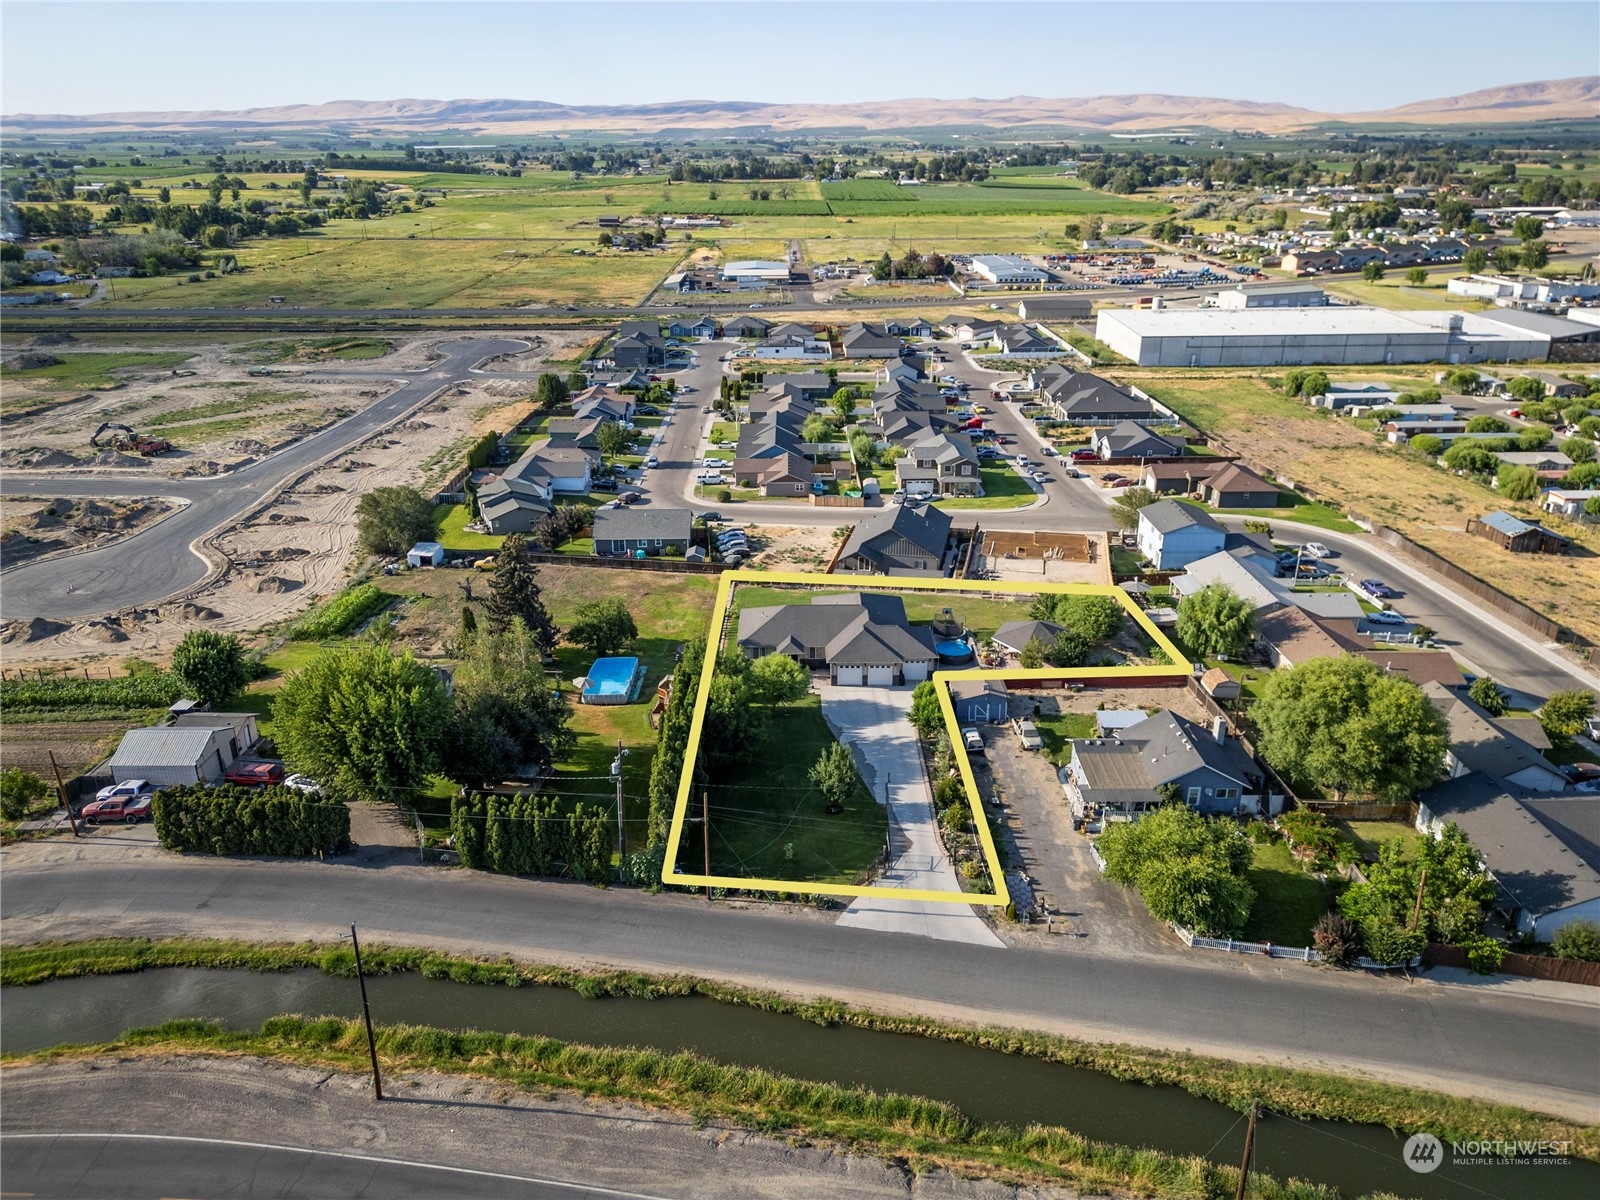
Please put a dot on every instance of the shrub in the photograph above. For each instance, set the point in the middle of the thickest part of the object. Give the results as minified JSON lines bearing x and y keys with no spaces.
{"x":341,"y":614}
{"x":242,"y":820}
{"x":529,"y":835}
{"x":21,"y":792}
{"x":1484,"y":953}
{"x":1391,"y":944}
{"x":1578,"y":941}
{"x":1336,"y":938}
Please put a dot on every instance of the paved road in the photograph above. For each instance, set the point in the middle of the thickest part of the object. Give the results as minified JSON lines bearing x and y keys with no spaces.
{"x":160,"y":560}
{"x":1508,"y":1042}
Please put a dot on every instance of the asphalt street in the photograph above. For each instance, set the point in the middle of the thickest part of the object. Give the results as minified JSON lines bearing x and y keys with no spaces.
{"x":1504,"y":1042}
{"x":161,"y":560}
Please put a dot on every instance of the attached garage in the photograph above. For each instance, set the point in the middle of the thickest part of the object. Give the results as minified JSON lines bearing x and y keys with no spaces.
{"x":849,"y":676}
{"x":916,"y":672}
{"x":880,"y":676}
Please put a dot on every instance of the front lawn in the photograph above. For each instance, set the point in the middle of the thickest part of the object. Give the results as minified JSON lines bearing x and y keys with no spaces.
{"x":1002,"y":488}
{"x":1288,"y":899}
{"x":1294,"y":507}
{"x":1058,"y":731}
{"x":453,"y":533}
{"x":768,"y":822}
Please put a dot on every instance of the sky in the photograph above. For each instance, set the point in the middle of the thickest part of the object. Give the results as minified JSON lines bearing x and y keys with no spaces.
{"x":1331,"y":56}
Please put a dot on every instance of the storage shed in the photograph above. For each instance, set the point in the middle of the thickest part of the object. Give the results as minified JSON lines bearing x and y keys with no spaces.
{"x":425,"y":554}
{"x":167,"y":754}
{"x":979,"y":701}
{"x":1516,"y":535}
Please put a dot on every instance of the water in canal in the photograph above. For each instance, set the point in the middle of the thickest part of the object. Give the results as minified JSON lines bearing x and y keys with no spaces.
{"x":988,"y":1086}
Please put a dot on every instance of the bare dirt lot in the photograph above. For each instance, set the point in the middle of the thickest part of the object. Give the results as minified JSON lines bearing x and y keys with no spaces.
{"x":31,"y":527}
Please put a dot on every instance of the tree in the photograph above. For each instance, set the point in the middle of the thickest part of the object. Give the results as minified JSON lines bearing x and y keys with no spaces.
{"x":1534,"y":437}
{"x":1487,"y":424}
{"x":1465,"y":382}
{"x":1125,"y":508}
{"x":1534,"y":256}
{"x":778,"y":679}
{"x":1582,"y":475}
{"x":391,"y":520}
{"x":672,"y":738}
{"x":834,"y":774}
{"x":1576,"y":941}
{"x":926,"y":717}
{"x":506,"y":714}
{"x":363,"y":721}
{"x":1517,"y":483}
{"x":1070,"y":649}
{"x":844,"y":405}
{"x":1031,"y":656}
{"x":1372,"y":271}
{"x":514,"y":593}
{"x":1455,"y":893}
{"x":1417,"y":276}
{"x":1470,"y":458}
{"x":1215,"y":621}
{"x":1525,"y":388}
{"x":1566,"y":712}
{"x":1190,"y":870}
{"x":1098,"y":618}
{"x":1315,"y":383}
{"x":1426,"y":445}
{"x":1578,"y":449}
{"x":612,"y":438}
{"x":550,"y":391}
{"x":603,"y":627}
{"x":1489,"y":696}
{"x":1474,"y":261}
{"x":818,"y":428}
{"x":864,"y":449}
{"x":1346,"y":725}
{"x":211,"y":666}
{"x":735,"y":722}
{"x":1591,"y":506}
{"x":1527,"y":229}
{"x":20,"y":793}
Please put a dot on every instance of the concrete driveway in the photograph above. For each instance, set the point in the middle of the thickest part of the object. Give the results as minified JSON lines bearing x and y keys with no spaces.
{"x":872,"y":722}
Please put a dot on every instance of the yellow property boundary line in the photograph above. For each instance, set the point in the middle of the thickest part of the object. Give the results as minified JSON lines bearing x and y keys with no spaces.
{"x":1180,"y":669}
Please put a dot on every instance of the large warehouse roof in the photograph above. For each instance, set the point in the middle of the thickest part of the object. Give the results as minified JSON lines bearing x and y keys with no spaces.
{"x":1334,"y":321}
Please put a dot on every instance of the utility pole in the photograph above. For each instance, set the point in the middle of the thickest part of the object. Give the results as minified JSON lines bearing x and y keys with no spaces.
{"x":61,"y":790}
{"x":366,"y":1014}
{"x":1249,"y":1149}
{"x":616,"y":771}
{"x":705,"y":823}
{"x":1416,"y":913}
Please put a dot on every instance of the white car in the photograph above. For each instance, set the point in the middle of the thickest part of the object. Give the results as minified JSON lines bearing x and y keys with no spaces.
{"x":652,"y":461}
{"x":711,"y":477}
{"x":972,"y":740}
{"x":128,"y":787}
{"x":303,"y":783}
{"x":1318,"y":550}
{"x":1386,"y":616}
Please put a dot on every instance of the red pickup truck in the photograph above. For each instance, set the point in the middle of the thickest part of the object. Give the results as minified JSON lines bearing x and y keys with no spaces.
{"x":120,"y":809}
{"x":260,"y":774}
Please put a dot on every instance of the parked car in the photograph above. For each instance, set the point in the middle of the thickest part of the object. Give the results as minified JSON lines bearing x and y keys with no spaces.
{"x":972,"y":740}
{"x":1582,"y":771}
{"x":711,"y":477}
{"x":1027,"y":734}
{"x":711,"y":514}
{"x":1084,"y":454}
{"x":651,"y":460}
{"x":705,"y":408}
{"x":630,"y":497}
{"x":124,"y":790}
{"x":988,"y":452}
{"x":646,"y":410}
{"x":606,"y":485}
{"x":1587,"y":787}
{"x":260,"y":774}
{"x":1377,"y":589}
{"x":1318,"y":550}
{"x":303,"y":783}
{"x":118,"y":809}
{"x":1386,"y":616}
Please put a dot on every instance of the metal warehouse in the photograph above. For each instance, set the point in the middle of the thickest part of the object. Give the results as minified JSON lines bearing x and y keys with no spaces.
{"x":1007,"y":268}
{"x":1256,"y":337}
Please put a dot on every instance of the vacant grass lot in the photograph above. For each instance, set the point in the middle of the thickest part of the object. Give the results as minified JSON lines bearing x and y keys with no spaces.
{"x":93,"y":370}
{"x":768,"y":822}
{"x":1288,"y":899}
{"x":1057,"y":732}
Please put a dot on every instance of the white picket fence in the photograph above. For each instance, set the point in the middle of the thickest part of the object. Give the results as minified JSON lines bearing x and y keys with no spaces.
{"x":1232,"y":946}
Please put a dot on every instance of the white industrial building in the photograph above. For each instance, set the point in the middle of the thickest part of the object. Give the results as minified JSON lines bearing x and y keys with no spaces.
{"x":1331,"y":336}
{"x":755,"y":272}
{"x":1276,"y":295}
{"x":1007,"y":268}
{"x":1511,"y":289}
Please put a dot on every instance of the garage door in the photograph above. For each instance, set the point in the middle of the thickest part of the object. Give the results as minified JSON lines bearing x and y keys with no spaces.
{"x":848,"y":676}
{"x":916,"y":672}
{"x":880,"y":676}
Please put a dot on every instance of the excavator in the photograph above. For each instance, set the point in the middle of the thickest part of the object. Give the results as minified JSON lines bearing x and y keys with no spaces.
{"x":129,"y":440}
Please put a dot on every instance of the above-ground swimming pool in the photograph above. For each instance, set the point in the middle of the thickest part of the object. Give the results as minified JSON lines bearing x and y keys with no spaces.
{"x":953,"y":650}
{"x":612,"y":681}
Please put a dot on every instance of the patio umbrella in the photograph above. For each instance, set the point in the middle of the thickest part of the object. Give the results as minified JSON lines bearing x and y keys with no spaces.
{"x":1134,"y":588}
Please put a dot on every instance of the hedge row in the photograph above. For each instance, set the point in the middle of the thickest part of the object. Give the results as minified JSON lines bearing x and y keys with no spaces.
{"x":156,"y":689}
{"x":244,"y":820}
{"x":528,"y":835}
{"x":341,"y":614}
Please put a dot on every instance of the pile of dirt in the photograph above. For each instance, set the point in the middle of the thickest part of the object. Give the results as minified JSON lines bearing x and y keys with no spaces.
{"x":355,"y":465}
{"x":115,"y":458}
{"x":322,"y":489}
{"x":278,"y":518}
{"x":246,"y":446}
{"x":36,"y":458}
{"x":200,"y":466}
{"x":416,"y":426}
{"x":190,"y":611}
{"x":281,"y":554}
{"x":34,"y":629}
{"x":102,"y":631}
{"x":51,"y":339}
{"x":276,"y":584}
{"x":30,"y":360}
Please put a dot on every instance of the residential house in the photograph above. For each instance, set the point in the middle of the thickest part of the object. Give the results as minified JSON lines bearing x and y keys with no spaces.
{"x":1122,"y":778}
{"x":1238,"y":487}
{"x":1291,"y":636}
{"x":1085,"y":399}
{"x":1404,"y":254}
{"x":642,"y":532}
{"x":1548,"y":464}
{"x":944,"y":463}
{"x":1019,"y":341}
{"x":979,"y":701}
{"x":902,"y":539}
{"x":1482,"y":743}
{"x":1358,"y":392}
{"x":1557,"y":387}
{"x":1541,"y":850}
{"x":970,"y":329}
{"x":894,"y":426}
{"x":516,"y":499}
{"x":1251,"y":580}
{"x":604,"y":403}
{"x":1014,"y":635}
{"x":1180,"y":478}
{"x":50,"y":276}
{"x":1517,"y":536}
{"x":1569,"y":502}
{"x":869,"y":341}
{"x":782,"y":474}
{"x":639,"y":344}
{"x":1354,"y":258}
{"x":862,"y":639}
{"x":580,"y":433}
{"x":692,"y":327}
{"x":1310,"y":262}
{"x":170,"y":755}
{"x":917,"y":327}
{"x":793,"y":341}
{"x":1438,"y":666}
{"x":1173,"y":534}
{"x":1127,"y":440}
{"x":745,"y":327}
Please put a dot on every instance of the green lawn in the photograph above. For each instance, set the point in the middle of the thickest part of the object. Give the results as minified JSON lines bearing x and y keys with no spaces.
{"x":1058,"y":731}
{"x":1002,"y":488}
{"x":1250,"y":679}
{"x":1295,"y":507}
{"x":724,"y":431}
{"x":94,"y":370}
{"x":767,"y":821}
{"x":981,"y":616}
{"x":453,"y":533}
{"x":1288,"y":899}
{"x":1369,"y":836}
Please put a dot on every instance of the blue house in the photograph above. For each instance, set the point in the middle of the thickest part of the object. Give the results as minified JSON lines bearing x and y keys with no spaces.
{"x":1173,"y":534}
{"x":692,"y":327}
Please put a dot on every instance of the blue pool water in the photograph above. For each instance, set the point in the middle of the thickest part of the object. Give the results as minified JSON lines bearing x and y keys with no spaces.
{"x":611,"y":680}
{"x":955,"y":650}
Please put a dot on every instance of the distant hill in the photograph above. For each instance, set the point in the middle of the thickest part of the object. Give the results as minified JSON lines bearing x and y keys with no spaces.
{"x":1561,"y":99}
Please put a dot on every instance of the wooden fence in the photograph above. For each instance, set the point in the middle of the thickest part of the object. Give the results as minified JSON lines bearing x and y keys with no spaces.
{"x":1527,"y":966}
{"x":671,"y":565}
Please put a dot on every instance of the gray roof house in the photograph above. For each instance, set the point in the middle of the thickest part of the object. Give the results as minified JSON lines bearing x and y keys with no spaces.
{"x":1087,"y":399}
{"x":1016,"y":340}
{"x":869,"y":341}
{"x":945,"y":463}
{"x":1542,"y":851}
{"x":1173,"y":534}
{"x":641,"y":532}
{"x":167,"y":755}
{"x":861,"y":638}
{"x":745,"y":327}
{"x":1119,"y":777}
{"x":902,"y":539}
{"x":1127,"y":439}
{"x":1478,"y":743}
{"x":639,"y":344}
{"x":606,"y":403}
{"x":1014,"y":635}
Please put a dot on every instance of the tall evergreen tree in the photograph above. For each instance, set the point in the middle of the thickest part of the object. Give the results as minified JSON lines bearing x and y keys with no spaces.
{"x":514,"y":592}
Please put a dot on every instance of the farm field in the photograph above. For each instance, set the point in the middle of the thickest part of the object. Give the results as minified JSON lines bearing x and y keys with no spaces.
{"x":1332,"y":460}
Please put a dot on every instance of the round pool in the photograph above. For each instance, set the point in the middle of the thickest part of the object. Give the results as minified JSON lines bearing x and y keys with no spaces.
{"x":953,"y":650}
